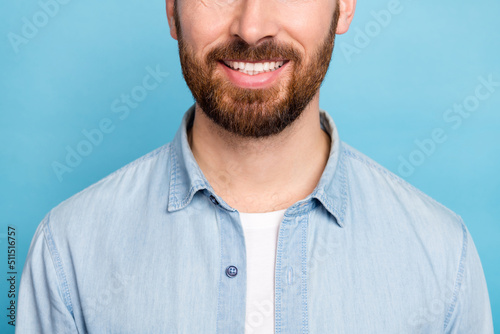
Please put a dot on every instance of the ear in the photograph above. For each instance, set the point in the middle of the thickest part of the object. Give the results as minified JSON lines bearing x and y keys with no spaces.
{"x":171,"y":18}
{"x":346,"y":8}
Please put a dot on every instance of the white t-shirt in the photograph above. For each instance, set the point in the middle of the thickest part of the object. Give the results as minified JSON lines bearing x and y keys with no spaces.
{"x":261,"y":237}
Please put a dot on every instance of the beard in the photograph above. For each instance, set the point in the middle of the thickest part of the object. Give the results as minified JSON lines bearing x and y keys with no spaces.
{"x":254,"y":113}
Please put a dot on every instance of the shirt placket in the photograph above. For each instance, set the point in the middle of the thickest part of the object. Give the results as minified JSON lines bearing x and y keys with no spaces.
{"x":291,"y":315}
{"x":231,"y":303}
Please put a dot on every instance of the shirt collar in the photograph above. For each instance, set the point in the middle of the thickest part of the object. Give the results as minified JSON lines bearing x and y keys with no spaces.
{"x":186,"y":177}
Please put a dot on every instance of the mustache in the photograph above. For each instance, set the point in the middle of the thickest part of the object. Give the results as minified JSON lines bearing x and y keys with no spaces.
{"x":241,"y":50}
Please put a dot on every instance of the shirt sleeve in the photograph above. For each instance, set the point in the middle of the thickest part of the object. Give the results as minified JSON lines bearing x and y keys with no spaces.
{"x":44,"y":305}
{"x":470,"y":311}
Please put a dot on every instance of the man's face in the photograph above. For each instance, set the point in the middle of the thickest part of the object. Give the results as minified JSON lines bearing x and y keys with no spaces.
{"x":254,"y":65}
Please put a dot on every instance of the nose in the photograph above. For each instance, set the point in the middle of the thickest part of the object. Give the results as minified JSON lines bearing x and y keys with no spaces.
{"x":255,"y":21}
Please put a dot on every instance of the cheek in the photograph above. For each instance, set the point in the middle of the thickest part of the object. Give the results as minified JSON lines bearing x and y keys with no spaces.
{"x":308,"y":22}
{"x":204,"y":26}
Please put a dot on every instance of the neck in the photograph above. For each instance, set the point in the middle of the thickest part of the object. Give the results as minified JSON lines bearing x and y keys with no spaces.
{"x":262,"y":174}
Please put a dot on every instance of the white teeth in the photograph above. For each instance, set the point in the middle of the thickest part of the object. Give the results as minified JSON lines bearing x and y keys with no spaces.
{"x":254,"y":68}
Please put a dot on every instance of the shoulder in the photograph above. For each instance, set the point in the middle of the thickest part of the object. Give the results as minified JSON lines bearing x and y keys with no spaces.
{"x":423,"y":236}
{"x":121,"y":191}
{"x":399,"y":209}
{"x":373,"y":178}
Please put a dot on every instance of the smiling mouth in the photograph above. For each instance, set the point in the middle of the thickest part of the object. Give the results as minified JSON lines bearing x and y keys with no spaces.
{"x":255,"y":67}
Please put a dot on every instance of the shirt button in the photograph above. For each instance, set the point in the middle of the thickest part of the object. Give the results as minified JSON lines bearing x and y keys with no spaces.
{"x":231,"y":271}
{"x":214,"y":200}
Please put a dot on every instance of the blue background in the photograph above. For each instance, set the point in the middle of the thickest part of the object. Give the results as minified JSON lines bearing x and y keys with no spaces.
{"x":393,"y":90}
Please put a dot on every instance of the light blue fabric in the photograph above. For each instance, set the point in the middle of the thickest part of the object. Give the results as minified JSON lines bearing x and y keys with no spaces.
{"x":146,"y":249}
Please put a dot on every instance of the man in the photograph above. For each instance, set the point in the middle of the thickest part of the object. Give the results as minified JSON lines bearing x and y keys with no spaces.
{"x":256,"y":218}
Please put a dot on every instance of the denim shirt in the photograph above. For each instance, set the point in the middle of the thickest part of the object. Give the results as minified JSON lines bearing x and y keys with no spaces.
{"x":152,"y":248}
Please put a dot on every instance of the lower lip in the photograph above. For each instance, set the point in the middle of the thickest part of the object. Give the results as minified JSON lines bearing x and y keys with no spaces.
{"x":243,"y":80}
